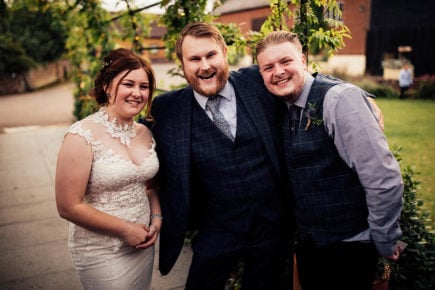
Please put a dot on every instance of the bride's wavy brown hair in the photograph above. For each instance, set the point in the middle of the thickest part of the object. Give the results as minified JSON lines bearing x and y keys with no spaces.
{"x":118,"y":61}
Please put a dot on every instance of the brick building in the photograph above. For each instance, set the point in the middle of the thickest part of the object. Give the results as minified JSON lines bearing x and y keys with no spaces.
{"x":250,"y":15}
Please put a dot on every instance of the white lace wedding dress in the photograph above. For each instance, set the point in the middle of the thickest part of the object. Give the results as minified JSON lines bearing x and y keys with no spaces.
{"x":117,"y":187}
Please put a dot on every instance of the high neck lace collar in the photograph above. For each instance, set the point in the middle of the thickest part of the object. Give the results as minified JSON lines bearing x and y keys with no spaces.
{"x":123,"y":132}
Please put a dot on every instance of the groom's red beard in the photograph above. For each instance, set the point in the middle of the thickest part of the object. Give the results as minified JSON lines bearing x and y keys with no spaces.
{"x":197,"y":81}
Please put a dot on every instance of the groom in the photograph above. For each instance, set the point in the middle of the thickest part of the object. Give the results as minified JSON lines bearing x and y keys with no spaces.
{"x":228,"y":188}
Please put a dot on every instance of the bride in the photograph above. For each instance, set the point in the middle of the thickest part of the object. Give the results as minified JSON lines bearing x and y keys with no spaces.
{"x":104,"y":179}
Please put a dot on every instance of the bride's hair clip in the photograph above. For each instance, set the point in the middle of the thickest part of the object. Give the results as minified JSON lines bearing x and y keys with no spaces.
{"x":106,"y":63}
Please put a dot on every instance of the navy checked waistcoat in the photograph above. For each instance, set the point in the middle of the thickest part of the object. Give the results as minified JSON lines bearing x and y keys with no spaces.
{"x":236,"y":180}
{"x":329,"y":200}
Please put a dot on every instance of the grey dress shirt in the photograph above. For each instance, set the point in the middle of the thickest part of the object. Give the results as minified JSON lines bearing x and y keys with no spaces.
{"x":349,"y":120}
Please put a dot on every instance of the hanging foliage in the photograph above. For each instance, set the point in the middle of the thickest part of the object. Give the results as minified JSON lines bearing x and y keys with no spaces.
{"x":93,"y":33}
{"x":317,"y":23}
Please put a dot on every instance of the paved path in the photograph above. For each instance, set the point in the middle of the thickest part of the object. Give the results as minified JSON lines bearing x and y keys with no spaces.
{"x":33,"y":238}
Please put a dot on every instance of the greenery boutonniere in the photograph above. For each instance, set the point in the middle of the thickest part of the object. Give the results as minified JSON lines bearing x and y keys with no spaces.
{"x":312,"y":115}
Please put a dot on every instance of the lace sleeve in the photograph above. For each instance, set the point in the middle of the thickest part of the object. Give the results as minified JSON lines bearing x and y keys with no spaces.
{"x":77,"y":129}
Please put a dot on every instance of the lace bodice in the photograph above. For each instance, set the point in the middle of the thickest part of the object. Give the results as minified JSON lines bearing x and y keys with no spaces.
{"x":116,"y":186}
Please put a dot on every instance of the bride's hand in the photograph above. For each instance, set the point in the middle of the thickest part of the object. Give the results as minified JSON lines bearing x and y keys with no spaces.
{"x":153,"y":233}
{"x":134,"y":234}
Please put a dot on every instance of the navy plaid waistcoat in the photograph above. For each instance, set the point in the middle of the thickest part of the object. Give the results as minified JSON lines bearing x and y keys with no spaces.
{"x":235,"y":181}
{"x":329,"y":201}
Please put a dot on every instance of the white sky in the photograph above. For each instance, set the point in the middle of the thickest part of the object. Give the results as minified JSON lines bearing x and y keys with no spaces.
{"x":116,"y":5}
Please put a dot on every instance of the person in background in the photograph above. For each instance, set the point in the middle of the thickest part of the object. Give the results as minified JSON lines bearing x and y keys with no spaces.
{"x":346,"y":185}
{"x":220,"y":175}
{"x":405,"y":80}
{"x":104,"y":180}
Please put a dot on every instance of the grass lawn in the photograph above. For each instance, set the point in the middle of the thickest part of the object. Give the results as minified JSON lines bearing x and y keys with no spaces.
{"x":410,"y":124}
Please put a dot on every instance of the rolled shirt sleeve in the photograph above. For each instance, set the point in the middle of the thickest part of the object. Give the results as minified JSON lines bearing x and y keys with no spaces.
{"x":364,"y":147}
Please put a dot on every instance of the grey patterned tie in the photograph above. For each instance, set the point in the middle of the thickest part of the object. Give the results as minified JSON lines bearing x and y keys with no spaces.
{"x":218,"y":118}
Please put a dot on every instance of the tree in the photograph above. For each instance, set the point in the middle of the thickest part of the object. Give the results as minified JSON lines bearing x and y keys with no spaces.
{"x":86,"y":44}
{"x":31,"y":32}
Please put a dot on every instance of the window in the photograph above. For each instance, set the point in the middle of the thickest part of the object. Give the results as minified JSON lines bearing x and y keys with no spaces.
{"x":257,"y":22}
{"x":154,"y":49}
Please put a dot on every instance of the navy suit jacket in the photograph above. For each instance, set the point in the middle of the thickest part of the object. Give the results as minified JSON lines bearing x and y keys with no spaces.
{"x":172,"y":114}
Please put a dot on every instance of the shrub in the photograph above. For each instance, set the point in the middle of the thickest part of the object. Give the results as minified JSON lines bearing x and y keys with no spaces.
{"x":13,"y":58}
{"x":39,"y":32}
{"x":383,"y":91}
{"x":415,"y":268}
{"x":379,"y":90}
{"x":426,"y":88}
{"x":29,"y":36}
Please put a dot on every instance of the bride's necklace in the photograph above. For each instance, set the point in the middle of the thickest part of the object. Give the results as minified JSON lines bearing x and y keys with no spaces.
{"x":123,"y":132}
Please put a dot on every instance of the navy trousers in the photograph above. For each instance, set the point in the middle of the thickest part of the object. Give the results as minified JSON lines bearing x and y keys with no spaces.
{"x":263,"y":253}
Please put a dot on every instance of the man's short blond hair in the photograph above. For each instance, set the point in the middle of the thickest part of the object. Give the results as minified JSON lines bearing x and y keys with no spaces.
{"x":276,"y":37}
